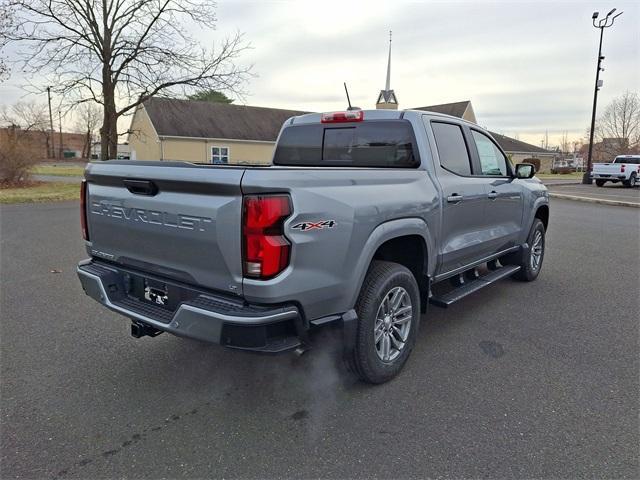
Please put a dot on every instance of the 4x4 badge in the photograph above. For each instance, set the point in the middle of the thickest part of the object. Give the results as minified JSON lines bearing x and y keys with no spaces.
{"x":319,"y":225}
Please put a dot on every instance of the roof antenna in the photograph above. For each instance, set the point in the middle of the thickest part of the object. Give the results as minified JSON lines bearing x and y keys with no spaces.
{"x":346,"y":90}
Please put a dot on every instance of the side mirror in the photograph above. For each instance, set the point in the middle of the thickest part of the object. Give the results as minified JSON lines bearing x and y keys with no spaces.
{"x":525,"y":170}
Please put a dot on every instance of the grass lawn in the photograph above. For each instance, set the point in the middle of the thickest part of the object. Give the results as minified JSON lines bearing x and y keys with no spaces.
{"x":59,"y":170}
{"x":43,"y":192}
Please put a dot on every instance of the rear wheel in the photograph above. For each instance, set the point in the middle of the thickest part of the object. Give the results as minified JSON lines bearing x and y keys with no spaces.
{"x":632,"y":182}
{"x":388,"y":311}
{"x":600,"y":183}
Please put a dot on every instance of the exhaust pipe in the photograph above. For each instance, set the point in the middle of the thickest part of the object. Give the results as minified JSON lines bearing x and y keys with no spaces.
{"x":139,"y":330}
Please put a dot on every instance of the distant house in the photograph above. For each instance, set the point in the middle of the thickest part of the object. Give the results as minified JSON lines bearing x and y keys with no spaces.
{"x":123,"y":150}
{"x":205,"y":132}
{"x":39,"y":142}
{"x":520,"y":152}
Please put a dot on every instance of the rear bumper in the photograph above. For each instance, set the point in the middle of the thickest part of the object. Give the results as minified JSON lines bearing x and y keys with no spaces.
{"x":204,"y":316}
{"x":605,"y":176}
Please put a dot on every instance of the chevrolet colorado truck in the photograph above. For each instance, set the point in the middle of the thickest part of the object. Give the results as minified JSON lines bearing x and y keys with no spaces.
{"x":624,"y":168}
{"x":362,"y":220}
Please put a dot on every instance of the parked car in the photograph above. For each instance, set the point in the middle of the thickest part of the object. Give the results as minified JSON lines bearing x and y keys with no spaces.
{"x":364,"y":218}
{"x":624,"y":168}
{"x":562,"y":167}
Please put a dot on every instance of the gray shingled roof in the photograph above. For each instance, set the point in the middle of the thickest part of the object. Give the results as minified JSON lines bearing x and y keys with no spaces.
{"x":455,"y":109}
{"x":509,"y":144}
{"x":189,"y":118}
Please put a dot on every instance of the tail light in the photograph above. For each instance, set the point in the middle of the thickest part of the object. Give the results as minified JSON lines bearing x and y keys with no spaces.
{"x":343,"y":117}
{"x":83,"y":210}
{"x":622,"y":168}
{"x":265,"y":248}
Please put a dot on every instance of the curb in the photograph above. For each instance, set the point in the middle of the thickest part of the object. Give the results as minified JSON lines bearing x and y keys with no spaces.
{"x":594,"y":200}
{"x":560,"y":183}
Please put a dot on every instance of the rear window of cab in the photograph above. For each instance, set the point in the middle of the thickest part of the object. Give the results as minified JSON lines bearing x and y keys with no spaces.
{"x":374,"y":143}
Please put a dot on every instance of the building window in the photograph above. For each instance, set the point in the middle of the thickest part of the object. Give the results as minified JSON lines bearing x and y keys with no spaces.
{"x":219,"y":155}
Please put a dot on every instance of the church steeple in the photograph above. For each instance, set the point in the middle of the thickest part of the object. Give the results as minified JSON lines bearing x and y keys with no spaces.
{"x":387,"y":98}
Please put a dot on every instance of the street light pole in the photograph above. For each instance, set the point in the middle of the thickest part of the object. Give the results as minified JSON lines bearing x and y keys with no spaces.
{"x":52,"y":132}
{"x":60,"y":156}
{"x":602,"y":24}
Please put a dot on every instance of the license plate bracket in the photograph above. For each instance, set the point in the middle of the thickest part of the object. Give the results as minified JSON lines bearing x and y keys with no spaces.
{"x":156,"y":292}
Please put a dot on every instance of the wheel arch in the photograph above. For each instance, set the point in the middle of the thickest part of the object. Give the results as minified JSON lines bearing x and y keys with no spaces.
{"x":542,"y":213}
{"x":399,"y":241}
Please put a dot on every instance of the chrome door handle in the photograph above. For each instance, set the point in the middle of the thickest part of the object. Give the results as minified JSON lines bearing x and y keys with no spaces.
{"x":455,"y":198}
{"x":492,"y":195}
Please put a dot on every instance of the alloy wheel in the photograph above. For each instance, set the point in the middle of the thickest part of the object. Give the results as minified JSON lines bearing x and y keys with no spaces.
{"x":536,"y":251}
{"x":393,"y":323}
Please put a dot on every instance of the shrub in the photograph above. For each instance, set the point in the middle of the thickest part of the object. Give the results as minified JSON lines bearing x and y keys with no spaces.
{"x":535,"y":162}
{"x":17,"y":157}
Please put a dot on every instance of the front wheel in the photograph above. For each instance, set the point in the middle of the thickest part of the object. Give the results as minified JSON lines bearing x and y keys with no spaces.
{"x":388,"y":311}
{"x":531,"y":262}
{"x":600,"y":183}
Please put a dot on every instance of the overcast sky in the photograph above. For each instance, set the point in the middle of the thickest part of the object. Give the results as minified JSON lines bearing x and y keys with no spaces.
{"x":527,"y":67}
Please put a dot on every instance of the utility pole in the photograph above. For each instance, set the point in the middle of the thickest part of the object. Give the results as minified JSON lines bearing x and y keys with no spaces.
{"x":60,"y":122}
{"x":602,"y":24}
{"x":52,"y":153}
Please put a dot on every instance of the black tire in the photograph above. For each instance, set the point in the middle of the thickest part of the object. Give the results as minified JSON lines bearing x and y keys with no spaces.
{"x":632,"y":182}
{"x":382,"y":280}
{"x":600,"y":183}
{"x":528,"y":272}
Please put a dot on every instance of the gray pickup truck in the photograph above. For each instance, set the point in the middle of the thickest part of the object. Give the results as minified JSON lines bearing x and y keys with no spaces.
{"x":364,"y":218}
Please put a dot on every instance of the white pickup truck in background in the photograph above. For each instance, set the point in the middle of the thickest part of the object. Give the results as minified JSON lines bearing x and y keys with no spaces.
{"x":624,"y":168}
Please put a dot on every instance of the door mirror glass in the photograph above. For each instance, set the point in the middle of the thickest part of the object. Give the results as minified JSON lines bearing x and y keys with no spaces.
{"x":525,"y":170}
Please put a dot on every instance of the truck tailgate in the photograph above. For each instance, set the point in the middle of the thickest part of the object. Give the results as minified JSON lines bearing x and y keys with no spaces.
{"x":606,"y":168}
{"x":176,"y":220}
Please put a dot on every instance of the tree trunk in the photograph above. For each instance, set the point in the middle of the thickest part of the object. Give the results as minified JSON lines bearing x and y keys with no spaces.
{"x":109,"y":130}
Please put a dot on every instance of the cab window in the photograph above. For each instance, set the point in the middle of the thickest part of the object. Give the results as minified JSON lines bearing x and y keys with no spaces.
{"x":452,"y":148}
{"x":492,"y":160}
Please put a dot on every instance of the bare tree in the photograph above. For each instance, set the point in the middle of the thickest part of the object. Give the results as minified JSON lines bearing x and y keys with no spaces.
{"x":620,"y":124}
{"x":544,"y":143}
{"x":119,"y":53}
{"x":6,"y":23}
{"x":565,"y":144}
{"x":28,"y":116}
{"x":88,"y":122}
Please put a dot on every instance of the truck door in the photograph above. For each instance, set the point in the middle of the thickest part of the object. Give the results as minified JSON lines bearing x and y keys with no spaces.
{"x":463,"y":235}
{"x":504,"y":200}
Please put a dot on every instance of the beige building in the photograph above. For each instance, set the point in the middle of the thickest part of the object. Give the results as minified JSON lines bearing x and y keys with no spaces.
{"x":205,"y":132}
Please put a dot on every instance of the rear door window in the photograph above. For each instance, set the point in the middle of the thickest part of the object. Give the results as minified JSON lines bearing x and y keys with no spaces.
{"x":376,"y":143}
{"x":452,"y":148}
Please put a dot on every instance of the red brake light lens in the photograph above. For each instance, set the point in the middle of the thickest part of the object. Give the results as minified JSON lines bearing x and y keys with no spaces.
{"x":343,"y":117}
{"x":266,"y":249}
{"x":83,"y":210}
{"x":622,"y":168}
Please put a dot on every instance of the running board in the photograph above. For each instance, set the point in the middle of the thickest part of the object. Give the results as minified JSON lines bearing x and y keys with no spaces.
{"x":471,"y":286}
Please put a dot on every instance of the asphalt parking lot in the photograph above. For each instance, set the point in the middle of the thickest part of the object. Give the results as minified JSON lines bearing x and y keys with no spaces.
{"x":520,"y":380}
{"x":610,"y":191}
